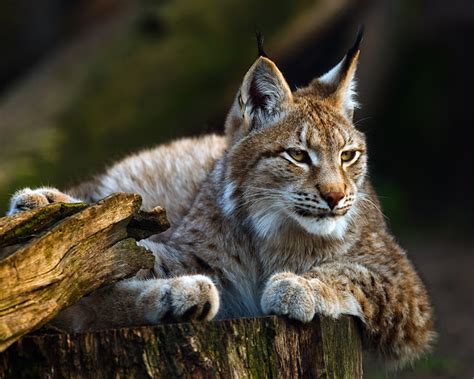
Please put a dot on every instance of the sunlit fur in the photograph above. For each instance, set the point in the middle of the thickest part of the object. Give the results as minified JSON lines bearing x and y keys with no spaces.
{"x":248,"y":215}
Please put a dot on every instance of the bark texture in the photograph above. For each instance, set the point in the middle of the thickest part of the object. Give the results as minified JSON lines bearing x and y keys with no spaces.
{"x":269,"y":347}
{"x":55,"y":255}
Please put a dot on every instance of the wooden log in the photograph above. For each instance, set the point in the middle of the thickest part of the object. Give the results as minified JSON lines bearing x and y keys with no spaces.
{"x":268,"y":347}
{"x":69,"y":260}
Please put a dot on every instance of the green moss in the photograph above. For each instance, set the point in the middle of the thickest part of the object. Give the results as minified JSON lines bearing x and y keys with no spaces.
{"x":44,"y":216}
{"x":341,"y":344}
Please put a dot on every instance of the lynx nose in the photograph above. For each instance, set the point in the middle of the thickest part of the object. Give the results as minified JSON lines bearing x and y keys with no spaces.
{"x":332,"y":198}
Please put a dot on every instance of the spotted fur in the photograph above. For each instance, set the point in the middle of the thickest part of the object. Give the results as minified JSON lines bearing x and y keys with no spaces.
{"x":273,"y":214}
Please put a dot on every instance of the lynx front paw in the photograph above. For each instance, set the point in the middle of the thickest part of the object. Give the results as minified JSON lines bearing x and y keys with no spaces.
{"x":27,"y":199}
{"x":194,"y":297}
{"x":289,"y":295}
{"x":184,"y":298}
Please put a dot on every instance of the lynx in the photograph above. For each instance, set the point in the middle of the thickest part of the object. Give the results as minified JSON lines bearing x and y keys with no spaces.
{"x":276,"y":217}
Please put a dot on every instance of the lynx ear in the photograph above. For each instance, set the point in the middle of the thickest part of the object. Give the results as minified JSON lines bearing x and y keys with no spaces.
{"x":264,"y":94}
{"x":339,"y":82}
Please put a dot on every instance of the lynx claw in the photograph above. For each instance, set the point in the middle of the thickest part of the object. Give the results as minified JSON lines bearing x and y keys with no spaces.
{"x":287,"y":294}
{"x":26,"y":199}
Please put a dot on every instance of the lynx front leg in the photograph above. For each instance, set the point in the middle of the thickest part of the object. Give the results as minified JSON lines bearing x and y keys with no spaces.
{"x":27,"y":198}
{"x":300,"y":298}
{"x":395,"y":311}
{"x":138,"y":302}
{"x":392,"y":303}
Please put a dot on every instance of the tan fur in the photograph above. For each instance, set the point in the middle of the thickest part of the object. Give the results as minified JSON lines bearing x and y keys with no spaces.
{"x":170,"y":175}
{"x":258,"y":222}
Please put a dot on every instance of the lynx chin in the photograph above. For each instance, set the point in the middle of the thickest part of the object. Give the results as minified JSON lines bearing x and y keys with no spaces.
{"x":278,"y":216}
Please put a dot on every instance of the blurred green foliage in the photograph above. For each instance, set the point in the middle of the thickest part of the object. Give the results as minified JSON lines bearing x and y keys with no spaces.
{"x":174,"y":68}
{"x":428,"y":367}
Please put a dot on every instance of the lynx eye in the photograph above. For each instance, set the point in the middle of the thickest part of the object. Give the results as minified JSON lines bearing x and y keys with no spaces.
{"x":298,"y":155}
{"x":348,"y":156}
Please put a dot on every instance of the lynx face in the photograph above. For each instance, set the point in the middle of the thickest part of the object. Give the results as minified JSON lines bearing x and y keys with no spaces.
{"x":295,"y":157}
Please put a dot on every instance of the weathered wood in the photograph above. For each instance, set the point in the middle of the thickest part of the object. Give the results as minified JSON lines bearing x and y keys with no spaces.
{"x":268,"y":347}
{"x":81,"y":253}
{"x":145,"y":224}
{"x":24,"y":225}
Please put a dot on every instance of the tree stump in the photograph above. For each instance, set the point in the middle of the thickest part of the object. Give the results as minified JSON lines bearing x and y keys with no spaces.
{"x":267,"y":347}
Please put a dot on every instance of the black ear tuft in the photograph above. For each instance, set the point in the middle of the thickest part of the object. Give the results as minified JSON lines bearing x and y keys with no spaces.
{"x":260,"y":39}
{"x":356,"y":47}
{"x":353,"y":50}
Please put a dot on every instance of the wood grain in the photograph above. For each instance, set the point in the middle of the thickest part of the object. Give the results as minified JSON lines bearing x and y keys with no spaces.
{"x":268,"y":347}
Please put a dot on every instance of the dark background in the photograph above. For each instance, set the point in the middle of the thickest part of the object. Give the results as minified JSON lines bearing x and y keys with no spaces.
{"x":83,"y":83}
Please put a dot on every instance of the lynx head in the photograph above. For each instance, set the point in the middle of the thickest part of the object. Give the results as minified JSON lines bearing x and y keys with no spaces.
{"x":295,"y":157}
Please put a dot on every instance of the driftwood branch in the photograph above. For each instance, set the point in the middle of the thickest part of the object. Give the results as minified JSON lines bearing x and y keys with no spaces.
{"x":69,"y":251}
{"x":25,"y":225}
{"x":269,"y":347}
